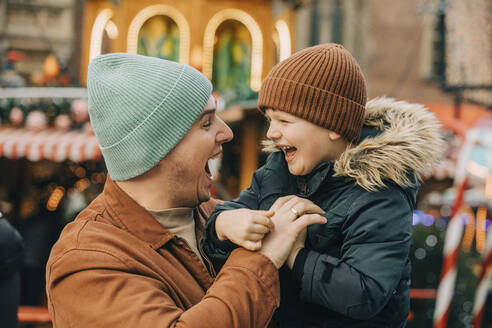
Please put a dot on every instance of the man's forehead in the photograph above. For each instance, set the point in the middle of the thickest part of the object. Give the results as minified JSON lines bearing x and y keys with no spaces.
{"x":211,"y":104}
{"x":209,"y":108}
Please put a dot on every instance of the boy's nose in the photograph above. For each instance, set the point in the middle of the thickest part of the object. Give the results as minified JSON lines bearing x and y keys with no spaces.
{"x":273,"y":133}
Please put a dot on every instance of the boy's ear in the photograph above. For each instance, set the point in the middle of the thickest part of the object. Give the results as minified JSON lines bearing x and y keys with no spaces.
{"x":333,"y":136}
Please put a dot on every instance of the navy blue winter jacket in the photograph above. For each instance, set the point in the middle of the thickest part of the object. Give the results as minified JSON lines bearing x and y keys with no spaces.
{"x":354,"y":270}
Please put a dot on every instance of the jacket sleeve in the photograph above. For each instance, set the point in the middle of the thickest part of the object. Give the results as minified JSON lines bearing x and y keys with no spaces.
{"x":11,"y":249}
{"x":11,"y":261}
{"x":244,"y":294}
{"x":374,"y":253}
{"x":248,"y":198}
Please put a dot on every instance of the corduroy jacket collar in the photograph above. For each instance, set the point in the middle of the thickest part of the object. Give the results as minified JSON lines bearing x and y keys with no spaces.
{"x":130,"y":216}
{"x":126,"y":213}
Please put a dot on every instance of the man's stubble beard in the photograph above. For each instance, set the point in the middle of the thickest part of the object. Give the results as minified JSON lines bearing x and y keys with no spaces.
{"x":183,"y":192}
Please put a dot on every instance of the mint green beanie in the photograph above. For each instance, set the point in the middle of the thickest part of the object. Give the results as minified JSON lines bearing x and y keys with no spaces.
{"x":141,"y":107}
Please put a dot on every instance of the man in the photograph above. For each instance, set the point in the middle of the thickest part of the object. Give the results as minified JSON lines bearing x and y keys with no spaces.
{"x":131,"y":259}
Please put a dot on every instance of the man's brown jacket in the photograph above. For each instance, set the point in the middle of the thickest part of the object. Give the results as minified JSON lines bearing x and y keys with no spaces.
{"x":116,"y":266}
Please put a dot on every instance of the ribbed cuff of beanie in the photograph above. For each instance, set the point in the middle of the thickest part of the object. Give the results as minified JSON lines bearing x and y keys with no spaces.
{"x":323,"y":108}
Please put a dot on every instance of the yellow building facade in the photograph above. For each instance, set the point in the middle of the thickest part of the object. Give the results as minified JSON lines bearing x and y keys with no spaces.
{"x":234,"y":43}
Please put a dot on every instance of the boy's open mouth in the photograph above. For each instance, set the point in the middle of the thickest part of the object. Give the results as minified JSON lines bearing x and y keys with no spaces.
{"x":289,"y":152}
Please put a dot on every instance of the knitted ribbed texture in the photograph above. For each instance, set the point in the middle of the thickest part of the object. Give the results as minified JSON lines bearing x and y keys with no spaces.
{"x":141,"y":107}
{"x":322,"y":84}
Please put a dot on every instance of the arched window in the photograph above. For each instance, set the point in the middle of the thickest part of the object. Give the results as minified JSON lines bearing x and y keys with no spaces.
{"x":281,"y":39}
{"x":231,"y":74}
{"x":103,"y":30}
{"x":229,"y":23}
{"x":159,"y":37}
{"x":160,"y":31}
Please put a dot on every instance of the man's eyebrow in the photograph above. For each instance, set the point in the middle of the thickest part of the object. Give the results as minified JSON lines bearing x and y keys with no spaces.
{"x":207,"y":112}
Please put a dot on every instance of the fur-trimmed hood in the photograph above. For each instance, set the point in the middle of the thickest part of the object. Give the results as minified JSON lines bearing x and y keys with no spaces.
{"x":409,"y":144}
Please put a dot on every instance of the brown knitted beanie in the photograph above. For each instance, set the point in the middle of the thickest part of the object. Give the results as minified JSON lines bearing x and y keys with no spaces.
{"x":322,"y":84}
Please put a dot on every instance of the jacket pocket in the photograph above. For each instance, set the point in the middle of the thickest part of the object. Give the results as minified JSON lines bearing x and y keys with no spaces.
{"x":327,"y":238}
{"x":396,"y":311}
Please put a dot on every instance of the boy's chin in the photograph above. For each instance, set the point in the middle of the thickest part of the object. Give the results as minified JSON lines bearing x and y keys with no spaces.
{"x":299,"y":170}
{"x":295,"y":170}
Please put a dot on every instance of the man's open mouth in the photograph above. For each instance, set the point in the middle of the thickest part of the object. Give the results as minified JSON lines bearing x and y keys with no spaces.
{"x":210,"y":166}
{"x":207,"y":170}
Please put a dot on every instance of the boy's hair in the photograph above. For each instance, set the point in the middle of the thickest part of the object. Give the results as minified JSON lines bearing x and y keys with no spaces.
{"x":322,"y":84}
{"x":141,"y":107}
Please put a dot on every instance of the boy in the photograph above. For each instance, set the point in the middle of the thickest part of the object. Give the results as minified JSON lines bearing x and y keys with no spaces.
{"x":361,"y":165}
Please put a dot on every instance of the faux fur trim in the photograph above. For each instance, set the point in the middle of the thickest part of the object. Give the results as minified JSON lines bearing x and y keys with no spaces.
{"x":409,"y":145}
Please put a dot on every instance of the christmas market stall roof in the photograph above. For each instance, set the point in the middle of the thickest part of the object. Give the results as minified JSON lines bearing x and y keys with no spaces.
{"x":51,"y":144}
{"x":65,"y":93}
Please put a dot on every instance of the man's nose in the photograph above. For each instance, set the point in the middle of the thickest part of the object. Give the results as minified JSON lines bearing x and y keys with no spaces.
{"x":225,"y":133}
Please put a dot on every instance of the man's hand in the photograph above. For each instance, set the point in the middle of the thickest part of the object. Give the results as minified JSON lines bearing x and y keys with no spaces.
{"x":296,"y":205}
{"x":298,"y":245}
{"x":292,"y":216}
{"x":244,"y":227}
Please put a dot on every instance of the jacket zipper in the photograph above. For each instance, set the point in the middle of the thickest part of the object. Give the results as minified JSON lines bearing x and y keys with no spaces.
{"x":303,"y":187}
{"x":210,"y":267}
{"x":206,"y":261}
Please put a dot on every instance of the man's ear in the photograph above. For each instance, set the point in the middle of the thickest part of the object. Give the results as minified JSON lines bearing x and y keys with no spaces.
{"x":333,"y":136}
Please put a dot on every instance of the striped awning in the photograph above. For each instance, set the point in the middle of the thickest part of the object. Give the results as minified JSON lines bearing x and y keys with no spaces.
{"x":52,"y":145}
{"x":443,"y":170}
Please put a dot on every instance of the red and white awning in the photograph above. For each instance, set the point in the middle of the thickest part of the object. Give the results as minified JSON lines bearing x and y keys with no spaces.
{"x":52,"y":145}
{"x":443,"y":170}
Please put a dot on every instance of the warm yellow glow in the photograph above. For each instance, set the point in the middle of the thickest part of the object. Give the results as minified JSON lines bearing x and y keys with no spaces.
{"x":111,"y":30}
{"x":55,"y":198}
{"x":98,"y":178}
{"x":97,"y":32}
{"x":284,"y":39}
{"x":196,"y":57}
{"x":488,"y":187}
{"x":469,"y":229}
{"x":256,"y":37}
{"x":481,"y":233}
{"x":82,"y":184}
{"x":164,"y":10}
{"x":80,"y":172}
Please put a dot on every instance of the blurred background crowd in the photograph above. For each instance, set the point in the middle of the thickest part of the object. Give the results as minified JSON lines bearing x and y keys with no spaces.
{"x":434,"y":52}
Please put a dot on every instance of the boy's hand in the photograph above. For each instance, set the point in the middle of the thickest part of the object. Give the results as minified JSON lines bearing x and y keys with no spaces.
{"x":244,"y":227}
